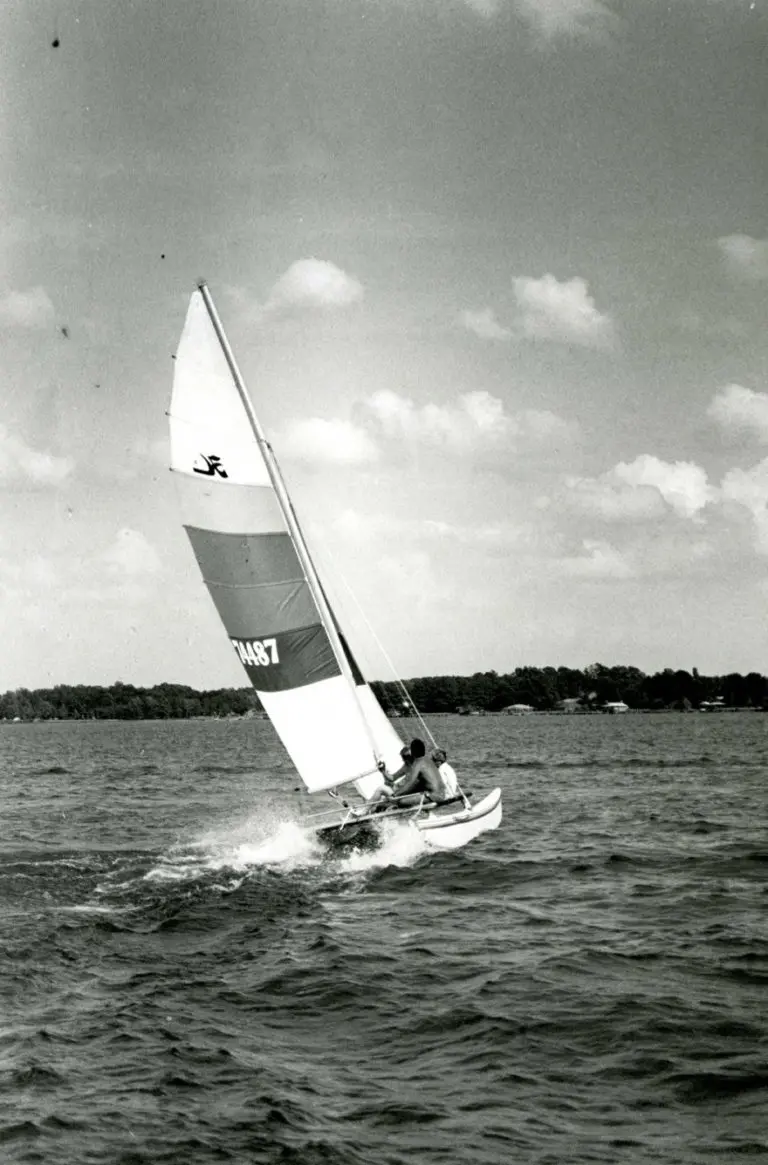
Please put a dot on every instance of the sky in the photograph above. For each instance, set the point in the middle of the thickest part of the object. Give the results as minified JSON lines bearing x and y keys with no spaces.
{"x":495,"y":271}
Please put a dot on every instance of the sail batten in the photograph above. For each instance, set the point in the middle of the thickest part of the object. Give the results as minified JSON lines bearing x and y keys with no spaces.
{"x":257,"y":569}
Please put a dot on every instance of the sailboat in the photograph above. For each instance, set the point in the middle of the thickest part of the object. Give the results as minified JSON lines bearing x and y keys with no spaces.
{"x":262,"y":578}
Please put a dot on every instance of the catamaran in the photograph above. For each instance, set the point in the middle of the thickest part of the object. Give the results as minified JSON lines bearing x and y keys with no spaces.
{"x":262,"y":578}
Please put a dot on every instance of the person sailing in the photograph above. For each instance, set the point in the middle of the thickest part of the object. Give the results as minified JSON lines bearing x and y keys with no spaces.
{"x":385,"y":792}
{"x":407,"y":759}
{"x":422,"y":776}
{"x":447,"y":772}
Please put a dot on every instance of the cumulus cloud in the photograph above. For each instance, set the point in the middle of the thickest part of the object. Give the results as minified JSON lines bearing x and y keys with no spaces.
{"x":613,"y":500}
{"x":599,"y":560}
{"x":313,"y":283}
{"x":478,"y":420}
{"x":26,"y":309}
{"x":484,"y":324}
{"x":478,"y":417}
{"x":565,"y":312}
{"x":749,"y":488}
{"x":682,"y":484}
{"x":742,"y":410}
{"x":329,"y":442}
{"x":475,"y":423}
{"x":21,"y":465}
{"x":642,"y":489}
{"x":132,"y":555}
{"x":568,"y":19}
{"x":745,"y":258}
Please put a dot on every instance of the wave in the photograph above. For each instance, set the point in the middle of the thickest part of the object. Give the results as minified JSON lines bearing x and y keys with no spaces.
{"x":30,"y":1076}
{"x":702,"y":1086}
{"x":615,"y":763}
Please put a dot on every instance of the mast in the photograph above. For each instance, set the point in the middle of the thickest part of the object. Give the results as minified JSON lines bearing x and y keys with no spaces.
{"x":286,"y":505}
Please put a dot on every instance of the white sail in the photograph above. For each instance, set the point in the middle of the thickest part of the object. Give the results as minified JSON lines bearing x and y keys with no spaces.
{"x":256,"y":567}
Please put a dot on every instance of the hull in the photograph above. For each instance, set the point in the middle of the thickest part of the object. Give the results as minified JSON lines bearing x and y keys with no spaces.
{"x":453,"y":830}
{"x":439,"y":828}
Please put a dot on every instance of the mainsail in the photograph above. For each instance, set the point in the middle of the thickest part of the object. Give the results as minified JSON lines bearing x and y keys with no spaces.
{"x":259,"y":572}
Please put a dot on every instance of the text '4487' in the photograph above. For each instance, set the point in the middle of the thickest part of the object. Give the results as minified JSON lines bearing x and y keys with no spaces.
{"x":256,"y":652}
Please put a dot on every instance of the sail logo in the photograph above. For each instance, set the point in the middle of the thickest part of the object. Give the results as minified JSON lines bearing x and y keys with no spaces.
{"x":213,"y":466}
{"x":256,"y":652}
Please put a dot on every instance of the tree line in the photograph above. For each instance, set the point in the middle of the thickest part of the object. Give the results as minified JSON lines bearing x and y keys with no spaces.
{"x":125,"y":702}
{"x":544,"y":689}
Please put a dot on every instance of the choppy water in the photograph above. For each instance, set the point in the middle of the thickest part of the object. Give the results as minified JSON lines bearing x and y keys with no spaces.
{"x":184,"y":978}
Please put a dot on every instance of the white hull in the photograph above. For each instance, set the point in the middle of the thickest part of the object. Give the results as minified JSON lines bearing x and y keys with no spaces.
{"x":453,"y":830}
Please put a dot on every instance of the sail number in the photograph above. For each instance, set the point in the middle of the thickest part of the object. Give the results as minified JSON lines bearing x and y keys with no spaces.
{"x":256,"y":652}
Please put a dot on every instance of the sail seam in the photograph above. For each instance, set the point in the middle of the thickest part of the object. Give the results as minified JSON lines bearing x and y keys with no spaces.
{"x":283,"y":582}
{"x":292,"y":630}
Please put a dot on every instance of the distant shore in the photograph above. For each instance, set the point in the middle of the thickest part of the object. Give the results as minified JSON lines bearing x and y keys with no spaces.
{"x":527,"y":690}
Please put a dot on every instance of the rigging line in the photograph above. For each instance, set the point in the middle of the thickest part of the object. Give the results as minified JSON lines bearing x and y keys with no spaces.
{"x":382,"y":649}
{"x":428,"y":732}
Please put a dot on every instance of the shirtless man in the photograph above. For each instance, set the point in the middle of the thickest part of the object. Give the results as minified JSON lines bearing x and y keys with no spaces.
{"x":385,"y":792}
{"x":422,"y":776}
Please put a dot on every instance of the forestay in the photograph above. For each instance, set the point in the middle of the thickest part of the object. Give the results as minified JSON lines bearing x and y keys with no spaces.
{"x":240,"y":529}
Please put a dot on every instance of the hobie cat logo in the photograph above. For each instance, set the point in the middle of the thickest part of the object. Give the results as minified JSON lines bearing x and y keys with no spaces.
{"x":212,"y":467}
{"x":256,"y":652}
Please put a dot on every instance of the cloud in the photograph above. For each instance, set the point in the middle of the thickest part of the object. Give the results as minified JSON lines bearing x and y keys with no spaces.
{"x":476,"y":423}
{"x":745,"y":258}
{"x":496,"y":538}
{"x":642,"y":489}
{"x":26,"y":309}
{"x":599,"y":560}
{"x":131,"y":554}
{"x":564,"y":312}
{"x":742,"y":410}
{"x":21,"y":465}
{"x":484,"y":324}
{"x":478,"y":417}
{"x":567,"y":19}
{"x":313,"y":284}
{"x":612,"y":499}
{"x":749,"y":488}
{"x":682,"y":484}
{"x":329,"y":442}
{"x":478,"y":420}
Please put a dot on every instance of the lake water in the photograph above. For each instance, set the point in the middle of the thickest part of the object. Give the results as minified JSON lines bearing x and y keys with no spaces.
{"x":186,"y":978}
